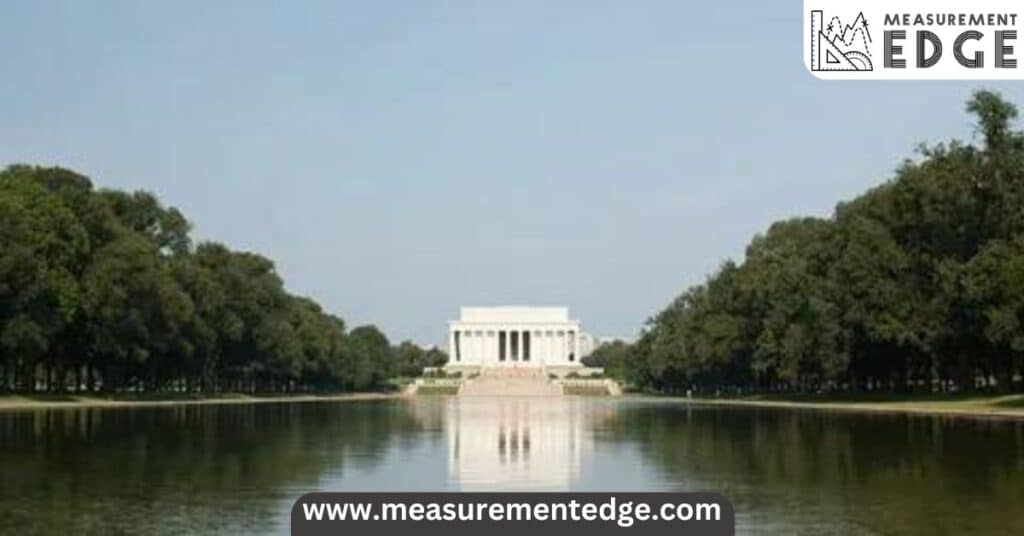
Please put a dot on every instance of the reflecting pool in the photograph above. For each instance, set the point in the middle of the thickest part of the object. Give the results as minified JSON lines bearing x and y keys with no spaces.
{"x":237,"y":468}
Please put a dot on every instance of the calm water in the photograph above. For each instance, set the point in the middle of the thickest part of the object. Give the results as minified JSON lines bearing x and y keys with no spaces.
{"x":238,"y":468}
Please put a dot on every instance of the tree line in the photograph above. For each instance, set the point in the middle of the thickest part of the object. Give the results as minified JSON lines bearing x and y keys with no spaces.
{"x":104,"y":290}
{"x":915,"y":285}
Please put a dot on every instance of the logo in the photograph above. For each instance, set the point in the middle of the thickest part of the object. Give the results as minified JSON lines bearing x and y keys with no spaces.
{"x":840,"y":47}
{"x":914,"y":39}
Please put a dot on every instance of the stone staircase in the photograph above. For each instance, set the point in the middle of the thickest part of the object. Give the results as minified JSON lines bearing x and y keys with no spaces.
{"x":510,"y":382}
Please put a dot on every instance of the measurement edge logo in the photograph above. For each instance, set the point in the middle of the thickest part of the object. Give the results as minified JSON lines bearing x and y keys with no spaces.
{"x":913,"y":39}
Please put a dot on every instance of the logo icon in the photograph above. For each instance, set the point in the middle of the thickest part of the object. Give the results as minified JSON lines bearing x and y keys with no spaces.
{"x":839,"y":47}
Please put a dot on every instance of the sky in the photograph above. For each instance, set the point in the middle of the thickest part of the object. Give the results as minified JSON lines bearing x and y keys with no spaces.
{"x":399,"y":160}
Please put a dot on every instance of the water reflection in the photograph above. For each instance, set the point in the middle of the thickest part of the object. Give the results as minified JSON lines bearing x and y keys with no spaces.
{"x":181,"y":470}
{"x":838,"y":473}
{"x":515,"y":443}
{"x":237,"y":469}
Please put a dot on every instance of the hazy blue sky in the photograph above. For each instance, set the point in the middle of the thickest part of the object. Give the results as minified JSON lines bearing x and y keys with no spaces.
{"x":400,"y":159}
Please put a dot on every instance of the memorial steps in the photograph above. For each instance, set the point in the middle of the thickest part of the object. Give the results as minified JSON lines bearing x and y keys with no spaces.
{"x":510,"y":381}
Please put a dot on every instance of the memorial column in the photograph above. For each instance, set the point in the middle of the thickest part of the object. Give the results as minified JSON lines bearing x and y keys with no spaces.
{"x":451,"y":345}
{"x":508,"y":343}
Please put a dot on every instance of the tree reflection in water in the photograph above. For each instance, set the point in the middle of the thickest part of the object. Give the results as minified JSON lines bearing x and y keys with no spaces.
{"x":838,"y":472}
{"x":182,"y":469}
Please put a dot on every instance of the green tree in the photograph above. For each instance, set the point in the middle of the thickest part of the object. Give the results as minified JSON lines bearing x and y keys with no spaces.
{"x":106,"y":287}
{"x":367,"y":360}
{"x":913,"y":285}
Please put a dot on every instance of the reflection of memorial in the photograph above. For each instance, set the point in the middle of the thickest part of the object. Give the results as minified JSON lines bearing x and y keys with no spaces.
{"x":497,"y":444}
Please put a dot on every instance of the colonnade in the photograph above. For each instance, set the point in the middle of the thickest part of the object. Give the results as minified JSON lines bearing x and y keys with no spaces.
{"x":512,"y":345}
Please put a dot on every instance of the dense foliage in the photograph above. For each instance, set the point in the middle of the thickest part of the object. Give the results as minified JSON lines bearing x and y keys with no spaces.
{"x":917,"y":284}
{"x":104,"y":290}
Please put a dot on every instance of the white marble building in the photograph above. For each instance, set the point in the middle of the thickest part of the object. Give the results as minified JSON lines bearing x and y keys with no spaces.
{"x":514,"y":336}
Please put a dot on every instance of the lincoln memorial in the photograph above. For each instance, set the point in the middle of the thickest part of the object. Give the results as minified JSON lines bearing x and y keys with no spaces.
{"x":514,"y":336}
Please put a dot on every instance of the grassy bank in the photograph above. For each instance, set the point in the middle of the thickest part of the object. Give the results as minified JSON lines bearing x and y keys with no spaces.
{"x":1009,"y":406}
{"x":428,"y":389}
{"x":586,"y":390}
{"x":69,"y":401}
